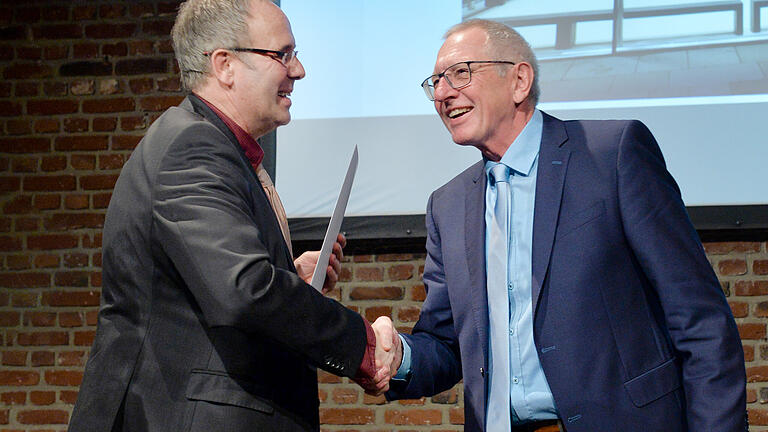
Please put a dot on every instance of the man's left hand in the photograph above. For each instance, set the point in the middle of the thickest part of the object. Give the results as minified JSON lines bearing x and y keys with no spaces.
{"x":306,"y":263}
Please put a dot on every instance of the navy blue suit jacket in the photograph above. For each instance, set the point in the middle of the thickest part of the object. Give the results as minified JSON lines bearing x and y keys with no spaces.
{"x":631,"y":327}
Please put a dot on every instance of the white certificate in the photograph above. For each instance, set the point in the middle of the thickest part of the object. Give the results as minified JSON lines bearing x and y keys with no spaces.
{"x":318,"y":277}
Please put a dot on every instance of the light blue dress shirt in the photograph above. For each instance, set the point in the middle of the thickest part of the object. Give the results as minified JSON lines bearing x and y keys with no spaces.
{"x":530,"y":396}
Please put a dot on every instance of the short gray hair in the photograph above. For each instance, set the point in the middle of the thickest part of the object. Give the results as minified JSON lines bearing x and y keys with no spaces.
{"x":505,"y":43}
{"x":206,"y":25}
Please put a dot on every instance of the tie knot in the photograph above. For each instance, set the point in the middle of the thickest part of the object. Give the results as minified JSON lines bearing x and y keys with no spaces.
{"x":500,"y":173}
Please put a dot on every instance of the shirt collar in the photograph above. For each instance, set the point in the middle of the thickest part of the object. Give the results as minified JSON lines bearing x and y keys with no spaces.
{"x":522,"y":153}
{"x":250,"y":145}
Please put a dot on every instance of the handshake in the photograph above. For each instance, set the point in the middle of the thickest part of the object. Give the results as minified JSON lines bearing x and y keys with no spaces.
{"x":388,"y":355}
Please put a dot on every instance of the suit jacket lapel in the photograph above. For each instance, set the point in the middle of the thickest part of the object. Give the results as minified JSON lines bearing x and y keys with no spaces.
{"x":553,"y":163}
{"x":474,"y":237}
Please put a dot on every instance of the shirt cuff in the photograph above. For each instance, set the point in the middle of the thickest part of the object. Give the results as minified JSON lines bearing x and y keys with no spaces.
{"x":404,"y":371}
{"x":367,"y":369}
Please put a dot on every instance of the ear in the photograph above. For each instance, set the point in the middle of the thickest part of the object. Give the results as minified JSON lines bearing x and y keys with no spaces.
{"x":221,"y":67}
{"x":523,"y":79}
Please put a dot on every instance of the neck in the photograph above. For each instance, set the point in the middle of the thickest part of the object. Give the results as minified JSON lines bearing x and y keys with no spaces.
{"x":497,"y":145}
{"x":226,"y":103}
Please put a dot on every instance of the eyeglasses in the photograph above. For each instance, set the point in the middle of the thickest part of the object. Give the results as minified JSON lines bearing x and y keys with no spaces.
{"x":284,"y":57}
{"x":457,"y":76}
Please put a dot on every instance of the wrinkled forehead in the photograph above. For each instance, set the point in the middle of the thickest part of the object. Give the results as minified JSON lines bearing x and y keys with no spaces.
{"x":466,"y":45}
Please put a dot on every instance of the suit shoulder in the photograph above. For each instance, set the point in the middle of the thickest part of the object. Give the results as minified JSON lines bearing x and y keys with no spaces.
{"x":459,"y":182}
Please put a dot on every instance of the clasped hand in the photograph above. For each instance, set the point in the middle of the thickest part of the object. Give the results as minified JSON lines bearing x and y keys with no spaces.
{"x":388,"y":355}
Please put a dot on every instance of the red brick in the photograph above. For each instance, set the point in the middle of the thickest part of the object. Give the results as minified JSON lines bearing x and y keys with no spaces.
{"x":63,"y":377}
{"x":157,"y":27}
{"x":413,"y":417}
{"x":98,"y":181}
{"x":73,"y":260}
{"x":761,"y":311}
{"x":751,"y":288}
{"x":75,"y":124}
{"x":732,"y":267}
{"x":760,"y":267}
{"x":101,"y":201}
{"x":82,"y":162}
{"x":47,"y":202}
{"x":43,"y":417}
{"x":71,"y":279}
{"x":110,"y":31}
{"x":27,"y":15}
{"x":86,"y":68}
{"x":49,"y":183}
{"x":141,"y":47}
{"x":18,"y":378}
{"x":85,"y":50}
{"x":108,"y":105}
{"x":125,"y":142}
{"x":76,"y":202}
{"x":70,"y":319}
{"x":456,"y":415}
{"x":55,"y":13}
{"x":24,"y":165}
{"x":43,"y":358}
{"x":447,"y":397}
{"x":82,"y":13}
{"x":141,"y":9}
{"x":24,"y":280}
{"x":10,"y":184}
{"x":749,"y":353}
{"x":104,"y":124}
{"x":170,"y":84}
{"x":27,"y":71}
{"x":43,"y":338}
{"x":13,"y":32}
{"x":418,"y":292}
{"x":84,"y":338}
{"x":53,"y":163}
{"x":25,"y":145}
{"x":29,"y":53}
{"x":143,"y":66}
{"x":71,"y":298}
{"x":39,"y":319}
{"x":10,"y":109}
{"x":51,"y":241}
{"x":757,"y":374}
{"x":9,"y":244}
{"x":347,"y":416}
{"x":91,"y":317}
{"x":96,"y":279}
{"x":324,"y":377}
{"x":42,"y":397}
{"x":68,"y":396}
{"x":52,"y":107}
{"x":55,"y":52}
{"x":92,"y":242}
{"x":739,"y":309}
{"x":27,"y":224}
{"x":24,"y":300}
{"x":70,"y":221}
{"x":141,"y":85}
{"x":343,"y":396}
{"x":752,"y":331}
{"x":46,"y":126}
{"x":20,"y":204}
{"x":14,"y":358}
{"x":721,"y":248}
{"x":160,"y":103}
{"x":369,"y":274}
{"x":46,"y":261}
{"x":18,"y":127}
{"x":408,"y":313}
{"x":17,"y":262}
{"x":13,"y":398}
{"x":111,"y":161}
{"x":374,"y":312}
{"x":376,"y":293}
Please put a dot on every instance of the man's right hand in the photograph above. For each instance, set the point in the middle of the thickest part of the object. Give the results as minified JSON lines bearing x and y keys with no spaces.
{"x":389,"y":354}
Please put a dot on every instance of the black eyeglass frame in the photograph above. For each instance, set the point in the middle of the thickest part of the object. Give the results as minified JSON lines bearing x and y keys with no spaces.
{"x":429,"y":86}
{"x":284,"y":57}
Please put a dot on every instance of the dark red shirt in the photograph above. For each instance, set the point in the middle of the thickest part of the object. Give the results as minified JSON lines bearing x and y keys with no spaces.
{"x":252,"y":149}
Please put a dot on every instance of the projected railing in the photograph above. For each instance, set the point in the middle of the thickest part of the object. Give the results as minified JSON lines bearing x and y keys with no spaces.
{"x":567,"y":18}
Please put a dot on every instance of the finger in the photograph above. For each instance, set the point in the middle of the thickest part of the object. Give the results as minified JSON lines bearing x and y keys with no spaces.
{"x":341,"y":239}
{"x":337,"y":251}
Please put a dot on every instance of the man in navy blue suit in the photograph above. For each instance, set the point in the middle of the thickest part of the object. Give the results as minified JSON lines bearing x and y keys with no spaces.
{"x":566,"y":284}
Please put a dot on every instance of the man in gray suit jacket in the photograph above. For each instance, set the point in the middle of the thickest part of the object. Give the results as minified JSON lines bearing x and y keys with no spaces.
{"x":204,"y":322}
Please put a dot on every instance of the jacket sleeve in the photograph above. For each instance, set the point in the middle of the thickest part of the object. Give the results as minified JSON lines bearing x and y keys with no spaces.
{"x":203,"y":215}
{"x":435,"y":359}
{"x":667,"y":247}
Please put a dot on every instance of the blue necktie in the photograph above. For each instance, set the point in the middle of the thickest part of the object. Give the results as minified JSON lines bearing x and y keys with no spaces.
{"x":498,"y":413}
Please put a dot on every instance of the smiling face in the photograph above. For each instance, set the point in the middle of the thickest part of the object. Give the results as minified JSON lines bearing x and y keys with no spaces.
{"x":262,"y":87}
{"x":483,"y":114}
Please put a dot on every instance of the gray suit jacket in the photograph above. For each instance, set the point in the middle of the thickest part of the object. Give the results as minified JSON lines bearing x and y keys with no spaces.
{"x":204,"y":324}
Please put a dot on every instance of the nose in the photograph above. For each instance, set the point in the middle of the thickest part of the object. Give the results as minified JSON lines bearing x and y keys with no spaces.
{"x":443,"y":91}
{"x":296,"y":69}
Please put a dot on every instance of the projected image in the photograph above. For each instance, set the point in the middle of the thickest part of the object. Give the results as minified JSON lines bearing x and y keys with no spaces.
{"x":606,"y":49}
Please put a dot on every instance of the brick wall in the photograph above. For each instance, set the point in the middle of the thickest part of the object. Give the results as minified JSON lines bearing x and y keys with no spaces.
{"x":81,"y":81}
